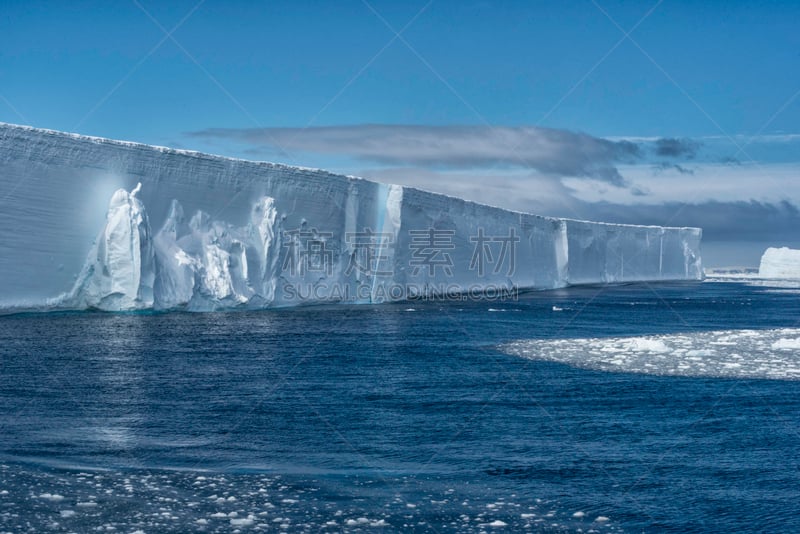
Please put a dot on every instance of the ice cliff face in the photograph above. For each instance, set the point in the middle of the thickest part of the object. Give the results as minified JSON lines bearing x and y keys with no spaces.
{"x":95,"y":223}
{"x":780,"y":263}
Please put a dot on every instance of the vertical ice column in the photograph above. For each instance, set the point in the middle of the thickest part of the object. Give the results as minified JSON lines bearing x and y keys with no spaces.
{"x":561,"y":243}
{"x":388,"y":221}
{"x":175,"y":280}
{"x":121,"y":268}
{"x":266,"y":239}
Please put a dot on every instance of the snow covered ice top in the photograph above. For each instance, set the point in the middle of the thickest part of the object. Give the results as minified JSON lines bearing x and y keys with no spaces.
{"x":89,"y":222}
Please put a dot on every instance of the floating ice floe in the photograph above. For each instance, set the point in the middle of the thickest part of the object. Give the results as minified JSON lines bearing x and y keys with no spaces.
{"x":772,"y":354}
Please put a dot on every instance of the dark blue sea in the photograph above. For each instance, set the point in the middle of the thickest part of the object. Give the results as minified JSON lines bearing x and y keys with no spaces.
{"x":411,"y":416}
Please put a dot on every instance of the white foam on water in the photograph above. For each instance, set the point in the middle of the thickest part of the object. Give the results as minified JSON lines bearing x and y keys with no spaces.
{"x":771,"y":354}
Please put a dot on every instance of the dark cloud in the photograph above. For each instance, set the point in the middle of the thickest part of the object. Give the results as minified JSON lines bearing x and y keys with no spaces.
{"x":661,"y":167}
{"x":673,"y":147}
{"x":548,"y":151}
{"x":720,"y":221}
{"x":730,"y":160}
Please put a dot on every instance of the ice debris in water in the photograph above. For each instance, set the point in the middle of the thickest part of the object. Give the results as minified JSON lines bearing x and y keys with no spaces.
{"x":773,"y":354}
{"x":174,"y":501}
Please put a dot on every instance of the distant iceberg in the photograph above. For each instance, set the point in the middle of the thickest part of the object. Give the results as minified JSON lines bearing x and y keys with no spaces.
{"x":780,"y":263}
{"x":94,"y":223}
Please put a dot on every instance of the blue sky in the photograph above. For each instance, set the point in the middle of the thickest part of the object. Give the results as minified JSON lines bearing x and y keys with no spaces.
{"x":330,"y":84}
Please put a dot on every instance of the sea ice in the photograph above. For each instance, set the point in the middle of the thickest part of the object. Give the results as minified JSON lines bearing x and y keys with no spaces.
{"x":771,"y":353}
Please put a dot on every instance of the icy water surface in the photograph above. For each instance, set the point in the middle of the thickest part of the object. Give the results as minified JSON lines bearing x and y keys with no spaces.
{"x":633,"y":408}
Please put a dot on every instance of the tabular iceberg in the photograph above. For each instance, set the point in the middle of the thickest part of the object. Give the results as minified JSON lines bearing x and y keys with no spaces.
{"x":780,"y":263}
{"x":94,"y":223}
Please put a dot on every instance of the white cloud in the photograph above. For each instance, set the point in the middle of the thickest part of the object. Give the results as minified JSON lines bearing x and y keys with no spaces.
{"x":546,"y":150}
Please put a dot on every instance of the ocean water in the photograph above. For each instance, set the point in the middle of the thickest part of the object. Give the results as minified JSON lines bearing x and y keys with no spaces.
{"x":608,"y":409}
